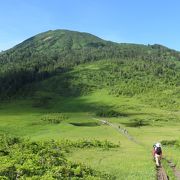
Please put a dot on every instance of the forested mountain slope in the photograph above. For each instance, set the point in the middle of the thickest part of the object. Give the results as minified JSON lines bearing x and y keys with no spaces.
{"x":129,"y":69}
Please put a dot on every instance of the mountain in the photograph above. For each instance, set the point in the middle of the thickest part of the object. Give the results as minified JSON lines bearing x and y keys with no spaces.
{"x":74,"y":106}
{"x":59,"y":40}
{"x":126,"y":69}
{"x":57,"y":44}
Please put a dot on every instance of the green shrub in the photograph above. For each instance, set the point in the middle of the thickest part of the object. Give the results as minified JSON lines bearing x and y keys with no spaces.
{"x":169,"y":142}
{"x":86,"y":124}
{"x":54,"y":118}
{"x":137,"y":123}
{"x":42,"y":160}
{"x":109,"y":113}
{"x":89,"y":144}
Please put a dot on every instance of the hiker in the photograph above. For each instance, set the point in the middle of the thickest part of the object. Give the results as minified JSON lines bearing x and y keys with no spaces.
{"x":126,"y":132}
{"x":157,"y":153}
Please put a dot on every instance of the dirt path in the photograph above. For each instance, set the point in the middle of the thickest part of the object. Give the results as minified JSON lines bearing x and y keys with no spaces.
{"x":161,"y":174}
{"x":120,"y":130}
{"x":173,"y":167}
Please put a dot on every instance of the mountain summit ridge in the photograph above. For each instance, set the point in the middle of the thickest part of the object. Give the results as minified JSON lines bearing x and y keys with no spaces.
{"x":62,"y":37}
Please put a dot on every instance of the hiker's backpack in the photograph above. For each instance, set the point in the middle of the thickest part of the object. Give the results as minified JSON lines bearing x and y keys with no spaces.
{"x":158,"y":150}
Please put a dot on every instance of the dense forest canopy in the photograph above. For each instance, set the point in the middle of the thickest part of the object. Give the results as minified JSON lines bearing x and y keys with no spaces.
{"x":57,"y":52}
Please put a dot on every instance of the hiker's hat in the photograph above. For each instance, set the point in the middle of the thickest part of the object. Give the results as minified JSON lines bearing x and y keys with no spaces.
{"x":158,"y":144}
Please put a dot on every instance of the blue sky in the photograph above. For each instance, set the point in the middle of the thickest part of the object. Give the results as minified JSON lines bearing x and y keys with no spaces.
{"x":133,"y":21}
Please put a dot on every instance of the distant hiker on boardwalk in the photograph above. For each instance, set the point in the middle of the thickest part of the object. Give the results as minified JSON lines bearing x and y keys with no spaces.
{"x":157,"y":153}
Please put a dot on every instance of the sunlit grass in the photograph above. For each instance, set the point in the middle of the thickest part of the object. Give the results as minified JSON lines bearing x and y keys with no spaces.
{"x":129,"y":161}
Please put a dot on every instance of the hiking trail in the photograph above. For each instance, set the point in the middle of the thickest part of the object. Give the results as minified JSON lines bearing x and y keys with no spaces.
{"x":161,"y":174}
{"x":120,"y":130}
{"x":173,"y":167}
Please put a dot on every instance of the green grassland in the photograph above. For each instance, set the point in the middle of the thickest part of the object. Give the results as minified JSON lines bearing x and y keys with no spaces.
{"x":59,"y":85}
{"x":23,"y":118}
{"x":23,"y":121}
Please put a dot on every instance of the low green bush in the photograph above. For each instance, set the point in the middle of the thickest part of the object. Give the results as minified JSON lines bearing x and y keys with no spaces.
{"x":41,"y":160}
{"x":169,"y":142}
{"x":89,"y":144}
{"x":86,"y":124}
{"x":136,"y":123}
{"x":54,"y":118}
{"x":109,"y":113}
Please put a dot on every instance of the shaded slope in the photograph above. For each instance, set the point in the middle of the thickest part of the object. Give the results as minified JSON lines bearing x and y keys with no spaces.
{"x":153,"y":84}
